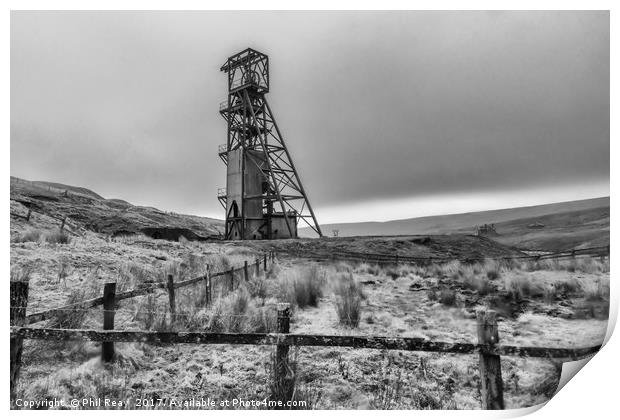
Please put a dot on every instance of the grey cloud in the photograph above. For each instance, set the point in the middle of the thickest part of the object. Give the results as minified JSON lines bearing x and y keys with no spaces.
{"x":371,"y":104}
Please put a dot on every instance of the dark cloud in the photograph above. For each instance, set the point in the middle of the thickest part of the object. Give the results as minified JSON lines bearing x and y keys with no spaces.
{"x":373,"y":105}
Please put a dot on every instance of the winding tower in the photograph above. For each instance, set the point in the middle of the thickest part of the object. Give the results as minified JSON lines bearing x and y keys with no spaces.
{"x":264,"y":197}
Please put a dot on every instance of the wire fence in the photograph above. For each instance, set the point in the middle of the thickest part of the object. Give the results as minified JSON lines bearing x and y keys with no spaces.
{"x":488,"y":345}
{"x":64,"y":327}
{"x":376,"y":258}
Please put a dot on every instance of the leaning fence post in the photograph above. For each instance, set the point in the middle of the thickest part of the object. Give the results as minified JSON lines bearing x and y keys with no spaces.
{"x":19,"y":302}
{"x":257,"y":267}
{"x":173,"y":308}
{"x":109,"y":293}
{"x":491,"y":385}
{"x":281,"y":367}
{"x":62,"y":225}
{"x":246,"y":274}
{"x":208,"y":286}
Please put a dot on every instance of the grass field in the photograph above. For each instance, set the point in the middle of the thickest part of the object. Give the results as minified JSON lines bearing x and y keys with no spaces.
{"x":563,"y":303}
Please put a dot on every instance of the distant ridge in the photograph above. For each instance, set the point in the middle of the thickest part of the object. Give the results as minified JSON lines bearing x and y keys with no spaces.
{"x":591,"y":215}
{"x":88,"y":210}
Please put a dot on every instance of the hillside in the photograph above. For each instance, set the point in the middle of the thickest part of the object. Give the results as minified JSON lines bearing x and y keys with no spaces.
{"x":564,"y":225}
{"x":51,"y":202}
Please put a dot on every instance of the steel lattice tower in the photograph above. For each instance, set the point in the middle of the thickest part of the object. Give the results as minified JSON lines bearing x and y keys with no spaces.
{"x":260,"y":171}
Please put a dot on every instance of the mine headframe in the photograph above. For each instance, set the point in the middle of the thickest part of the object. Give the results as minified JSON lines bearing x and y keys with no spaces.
{"x":264,"y":197}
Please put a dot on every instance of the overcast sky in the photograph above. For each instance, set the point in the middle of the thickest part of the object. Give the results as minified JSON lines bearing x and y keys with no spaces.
{"x":386,"y":114}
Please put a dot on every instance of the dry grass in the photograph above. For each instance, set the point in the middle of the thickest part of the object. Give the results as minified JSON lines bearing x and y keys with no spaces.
{"x":185,"y":370}
{"x":56,"y":236}
{"x":580,"y":264}
{"x":373,"y":269}
{"x":597,"y":290}
{"x":29,"y":235}
{"x":476,"y":281}
{"x":20,"y":274}
{"x":447,"y":297}
{"x":306,"y":285}
{"x":71,"y":318}
{"x":301,"y":286}
{"x":53,"y":236}
{"x":348,"y":296}
{"x":522,"y":286}
{"x":518,"y":287}
{"x":493,"y":269}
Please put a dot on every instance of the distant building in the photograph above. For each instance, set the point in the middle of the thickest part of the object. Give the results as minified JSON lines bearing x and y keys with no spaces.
{"x":486,"y":230}
{"x":536,"y":225}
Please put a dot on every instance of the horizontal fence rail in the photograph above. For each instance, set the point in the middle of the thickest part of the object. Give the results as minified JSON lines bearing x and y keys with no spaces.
{"x":305,"y":340}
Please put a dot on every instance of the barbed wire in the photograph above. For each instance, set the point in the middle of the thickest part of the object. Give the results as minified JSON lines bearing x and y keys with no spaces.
{"x":136,"y":313}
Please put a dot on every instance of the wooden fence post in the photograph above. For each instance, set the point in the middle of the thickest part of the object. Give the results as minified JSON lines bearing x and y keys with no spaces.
{"x":208,"y":286}
{"x":109,"y":294}
{"x":62,"y":225}
{"x":28,"y":215}
{"x":19,"y":302}
{"x":246,"y":274}
{"x":173,"y":307}
{"x":265,"y":262}
{"x":281,"y":361}
{"x":491,"y":385}
{"x":257,"y":267}
{"x":232,"y":279}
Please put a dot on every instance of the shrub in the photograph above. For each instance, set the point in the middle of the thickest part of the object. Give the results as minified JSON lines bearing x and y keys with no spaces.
{"x":348,"y":296}
{"x":472,"y":278}
{"x":567,"y":286}
{"x":29,"y":235}
{"x":56,"y":236}
{"x":583,"y":264}
{"x":273,"y":270}
{"x":63,"y":268}
{"x":393,"y":273}
{"x":432,"y":295}
{"x":450,"y":269}
{"x":236,"y":312}
{"x":257,"y":287}
{"x":586,"y":265}
{"x":478,"y":283}
{"x":218,"y":262}
{"x":306,"y":286}
{"x":492,"y":269}
{"x":194,"y":264}
{"x":343,"y":267}
{"x":71,"y":318}
{"x":597,"y":290}
{"x":447,"y":297}
{"x":520,"y":287}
